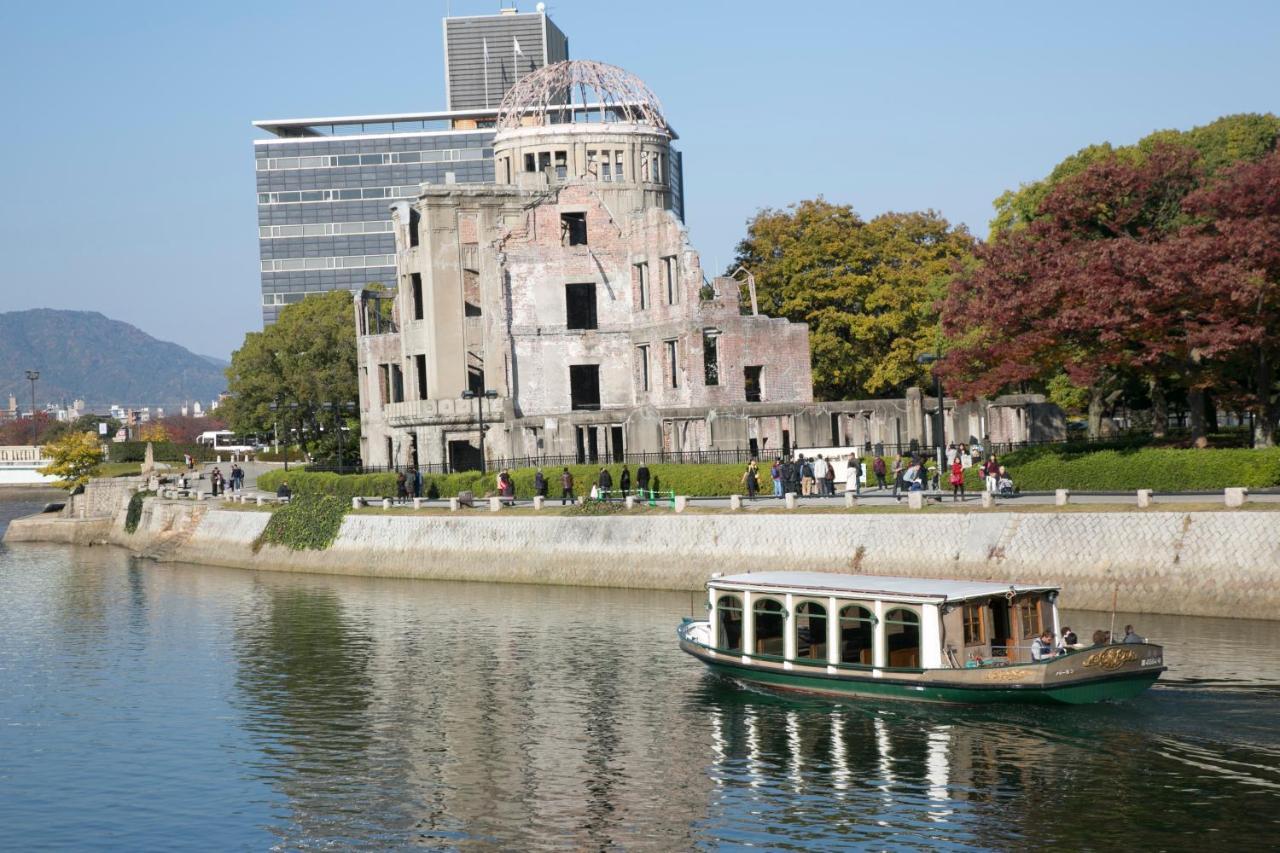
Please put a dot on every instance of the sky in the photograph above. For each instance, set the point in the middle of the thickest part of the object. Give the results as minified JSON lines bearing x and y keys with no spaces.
{"x":126,"y":154}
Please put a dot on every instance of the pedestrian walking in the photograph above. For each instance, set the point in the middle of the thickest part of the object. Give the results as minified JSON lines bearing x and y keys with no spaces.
{"x":879,"y":469}
{"x":624,"y":481}
{"x":540,"y":484}
{"x":642,"y":479}
{"x":566,"y":486}
{"x":605,"y":483}
{"x":957,"y":480}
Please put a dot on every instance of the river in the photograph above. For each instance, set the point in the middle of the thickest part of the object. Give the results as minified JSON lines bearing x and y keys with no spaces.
{"x":150,"y":706}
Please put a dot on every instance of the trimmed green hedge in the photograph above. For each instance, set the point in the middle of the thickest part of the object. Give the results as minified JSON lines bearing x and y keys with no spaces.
{"x":308,"y":522}
{"x":1050,"y":467}
{"x":696,"y":480}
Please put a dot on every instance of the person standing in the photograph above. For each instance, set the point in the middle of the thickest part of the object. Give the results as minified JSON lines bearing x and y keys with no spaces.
{"x":831,"y":477}
{"x":642,"y":480}
{"x":854,"y":476}
{"x":819,"y":486}
{"x":957,"y":479}
{"x":566,"y":486}
{"x":605,"y":484}
{"x":417,"y":482}
{"x":991,"y":471}
{"x":899,"y":469}
{"x":806,"y":476}
{"x":879,"y":469}
{"x":775,"y":474}
{"x":402,"y":489}
{"x":624,"y":482}
{"x":750,"y":479}
{"x":507,"y":488}
{"x":540,"y":484}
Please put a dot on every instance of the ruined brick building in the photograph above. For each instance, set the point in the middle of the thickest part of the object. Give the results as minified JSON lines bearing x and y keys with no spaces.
{"x":564,"y":305}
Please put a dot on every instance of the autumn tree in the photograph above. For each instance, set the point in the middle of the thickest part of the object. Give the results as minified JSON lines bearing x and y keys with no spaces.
{"x":154,"y":431}
{"x":867,"y":290}
{"x":74,"y":459}
{"x":300,"y":363}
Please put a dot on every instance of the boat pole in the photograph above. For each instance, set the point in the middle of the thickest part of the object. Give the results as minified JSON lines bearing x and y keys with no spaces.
{"x":1115,"y":595}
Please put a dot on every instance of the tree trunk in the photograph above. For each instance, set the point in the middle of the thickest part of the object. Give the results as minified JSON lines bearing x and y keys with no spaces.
{"x":1159,"y":410}
{"x":1264,"y":423}
{"x":1096,"y":402}
{"x":1195,"y":403}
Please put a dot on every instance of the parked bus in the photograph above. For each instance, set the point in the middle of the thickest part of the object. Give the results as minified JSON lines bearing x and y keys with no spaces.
{"x":226,"y":441}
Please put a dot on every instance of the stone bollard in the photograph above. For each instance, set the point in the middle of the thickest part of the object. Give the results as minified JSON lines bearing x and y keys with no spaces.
{"x":538,"y":501}
{"x":417,"y":503}
{"x":201,"y":496}
{"x":1144,"y":498}
{"x":260,"y":500}
{"x":790,"y":500}
{"x":1235,"y":497}
{"x":1061,"y":497}
{"x":851,"y":499}
{"x":454,"y":504}
{"x":495,"y":504}
{"x":629,"y":502}
{"x":386,"y":503}
{"x":735,"y":501}
{"x":356,"y":503}
{"x":582,"y":501}
{"x":915,"y":500}
{"x":988,"y":500}
{"x":681,"y":503}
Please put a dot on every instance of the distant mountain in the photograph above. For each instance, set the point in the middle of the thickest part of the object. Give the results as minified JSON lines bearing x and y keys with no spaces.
{"x":84,"y":355}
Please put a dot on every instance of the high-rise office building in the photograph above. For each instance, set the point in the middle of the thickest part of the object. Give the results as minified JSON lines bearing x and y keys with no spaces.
{"x":325,"y":185}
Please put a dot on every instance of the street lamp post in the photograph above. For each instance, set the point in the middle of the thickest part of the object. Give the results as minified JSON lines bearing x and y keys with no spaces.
{"x":338,"y":409}
{"x":33,"y":375}
{"x":489,"y":394}
{"x":940,"y":426}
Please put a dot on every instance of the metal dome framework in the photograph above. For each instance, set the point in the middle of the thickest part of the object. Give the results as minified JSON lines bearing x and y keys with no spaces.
{"x":560,"y":92}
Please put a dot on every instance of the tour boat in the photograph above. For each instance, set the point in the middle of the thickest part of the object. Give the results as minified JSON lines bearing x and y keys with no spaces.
{"x":867,"y":636}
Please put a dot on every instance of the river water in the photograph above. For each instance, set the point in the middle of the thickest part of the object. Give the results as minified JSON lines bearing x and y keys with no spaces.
{"x":147,"y":706}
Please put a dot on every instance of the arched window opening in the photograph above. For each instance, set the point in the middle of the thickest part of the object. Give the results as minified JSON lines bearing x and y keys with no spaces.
{"x":902,"y":635}
{"x":811,"y":632}
{"x":770,"y":623}
{"x":857,"y":634}
{"x":729,"y":623}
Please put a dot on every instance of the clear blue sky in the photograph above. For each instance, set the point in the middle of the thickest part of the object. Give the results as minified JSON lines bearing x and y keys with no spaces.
{"x":128,"y":182}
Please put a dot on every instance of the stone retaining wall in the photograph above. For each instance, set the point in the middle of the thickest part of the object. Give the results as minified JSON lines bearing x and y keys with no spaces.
{"x":1193,"y":563}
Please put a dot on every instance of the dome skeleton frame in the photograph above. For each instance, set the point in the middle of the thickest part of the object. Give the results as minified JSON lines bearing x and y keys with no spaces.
{"x":548,"y":94}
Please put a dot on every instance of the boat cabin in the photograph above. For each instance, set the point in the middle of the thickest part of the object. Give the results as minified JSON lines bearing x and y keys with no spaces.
{"x":831,"y":620}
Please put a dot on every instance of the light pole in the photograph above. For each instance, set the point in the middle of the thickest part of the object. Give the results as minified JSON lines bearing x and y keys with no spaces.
{"x":33,"y":375}
{"x":489,"y":394}
{"x":940,"y":427}
{"x":338,"y":409}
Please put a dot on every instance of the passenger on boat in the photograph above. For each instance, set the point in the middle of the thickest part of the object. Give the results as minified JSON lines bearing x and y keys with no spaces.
{"x":1101,"y":637}
{"x":1069,"y":639}
{"x":1130,"y":636}
{"x":1042,"y":648}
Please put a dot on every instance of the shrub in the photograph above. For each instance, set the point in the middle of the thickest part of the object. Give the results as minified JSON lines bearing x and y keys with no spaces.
{"x":307,"y":522}
{"x":1123,"y":469}
{"x":134,"y":514}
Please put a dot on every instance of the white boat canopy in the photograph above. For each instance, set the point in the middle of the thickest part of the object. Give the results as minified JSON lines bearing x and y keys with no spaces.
{"x":883,"y":588}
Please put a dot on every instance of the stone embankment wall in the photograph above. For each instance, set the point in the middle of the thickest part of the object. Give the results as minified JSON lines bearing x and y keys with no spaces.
{"x":1194,"y":563}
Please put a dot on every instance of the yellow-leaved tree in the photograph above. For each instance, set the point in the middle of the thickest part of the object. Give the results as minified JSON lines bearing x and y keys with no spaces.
{"x":75,"y":458}
{"x":154,"y":431}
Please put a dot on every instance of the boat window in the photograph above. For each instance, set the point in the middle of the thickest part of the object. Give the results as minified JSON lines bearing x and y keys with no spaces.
{"x":769,"y":617}
{"x":1029,"y":617}
{"x":975,"y":633}
{"x":857,"y":630}
{"x":902,"y":636}
{"x":811,"y":632}
{"x":729,"y":623}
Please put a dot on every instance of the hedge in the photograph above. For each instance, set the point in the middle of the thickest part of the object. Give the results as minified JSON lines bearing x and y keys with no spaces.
{"x":1050,"y":467}
{"x":696,"y":480}
{"x":309,"y":522}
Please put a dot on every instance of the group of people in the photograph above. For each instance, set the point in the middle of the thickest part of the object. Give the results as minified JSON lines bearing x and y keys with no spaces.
{"x":601,"y":489}
{"x":799,"y":476}
{"x":233,"y":480}
{"x":1044,"y":647}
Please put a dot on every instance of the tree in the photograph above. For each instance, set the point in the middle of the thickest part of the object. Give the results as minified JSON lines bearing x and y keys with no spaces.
{"x":302,"y":362}
{"x":154,"y":431}
{"x":75,"y":458}
{"x":867,"y":290}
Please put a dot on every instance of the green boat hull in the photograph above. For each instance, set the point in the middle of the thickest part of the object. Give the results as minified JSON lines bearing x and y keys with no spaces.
{"x":1104,"y":688}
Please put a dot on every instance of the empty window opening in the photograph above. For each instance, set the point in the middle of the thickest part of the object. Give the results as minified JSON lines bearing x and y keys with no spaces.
{"x":573,"y":229}
{"x":751,"y":379}
{"x":642,"y":356}
{"x":669,"y":278}
{"x":642,"y":284}
{"x":580,"y":306}
{"x":384,"y":383}
{"x":711,"y":358}
{"x":420,"y":368}
{"x":672,"y":365}
{"x":616,"y":447}
{"x":584,"y":386}
{"x":544,"y":161}
{"x":415,"y":219}
{"x":475,"y":380}
{"x":397,"y":384}
{"x":529,"y":164}
{"x":562,"y":165}
{"x":415,"y":280}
